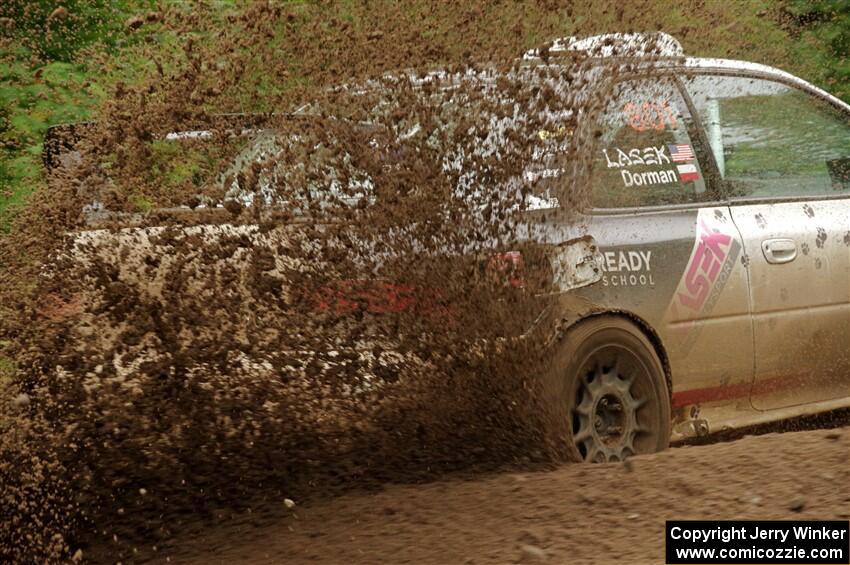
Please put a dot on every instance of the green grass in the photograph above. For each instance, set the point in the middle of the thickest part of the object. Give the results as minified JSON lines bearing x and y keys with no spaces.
{"x":7,"y":366}
{"x":785,"y":135}
{"x":32,"y":100}
{"x":51,"y":73}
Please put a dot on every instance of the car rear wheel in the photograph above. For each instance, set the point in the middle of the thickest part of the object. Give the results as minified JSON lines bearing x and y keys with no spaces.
{"x":606,"y":393}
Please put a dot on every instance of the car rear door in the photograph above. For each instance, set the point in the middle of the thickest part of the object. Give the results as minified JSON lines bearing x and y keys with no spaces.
{"x":782,"y":154}
{"x":672,"y":255}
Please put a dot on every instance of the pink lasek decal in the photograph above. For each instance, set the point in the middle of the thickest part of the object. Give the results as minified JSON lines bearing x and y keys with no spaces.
{"x":705,"y":266}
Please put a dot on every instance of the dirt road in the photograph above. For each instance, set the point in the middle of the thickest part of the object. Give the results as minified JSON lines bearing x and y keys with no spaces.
{"x":575,"y":514}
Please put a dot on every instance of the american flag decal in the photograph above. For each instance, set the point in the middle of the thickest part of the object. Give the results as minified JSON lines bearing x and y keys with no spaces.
{"x":681,"y":153}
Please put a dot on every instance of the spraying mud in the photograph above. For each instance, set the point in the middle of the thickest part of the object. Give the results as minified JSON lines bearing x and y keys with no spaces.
{"x":212,"y":311}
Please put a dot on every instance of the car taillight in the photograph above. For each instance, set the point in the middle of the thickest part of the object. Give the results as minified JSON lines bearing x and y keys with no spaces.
{"x":529,"y":269}
{"x":507,"y":268}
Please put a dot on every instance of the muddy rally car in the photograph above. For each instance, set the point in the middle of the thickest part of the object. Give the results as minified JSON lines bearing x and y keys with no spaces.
{"x":703,"y":286}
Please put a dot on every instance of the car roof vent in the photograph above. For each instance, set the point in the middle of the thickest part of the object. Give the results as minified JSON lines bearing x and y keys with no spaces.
{"x":657,"y":44}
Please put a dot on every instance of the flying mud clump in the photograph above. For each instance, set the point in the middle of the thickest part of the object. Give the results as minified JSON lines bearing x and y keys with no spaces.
{"x":233,"y":308}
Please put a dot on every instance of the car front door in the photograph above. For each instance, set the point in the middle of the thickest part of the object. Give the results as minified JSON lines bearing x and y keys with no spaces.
{"x":672,"y":255}
{"x":782,"y":154}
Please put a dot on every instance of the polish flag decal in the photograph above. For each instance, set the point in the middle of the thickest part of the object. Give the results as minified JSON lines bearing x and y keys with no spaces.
{"x":687,"y":173}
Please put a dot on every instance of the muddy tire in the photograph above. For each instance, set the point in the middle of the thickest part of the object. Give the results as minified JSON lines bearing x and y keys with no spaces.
{"x":605,"y":394}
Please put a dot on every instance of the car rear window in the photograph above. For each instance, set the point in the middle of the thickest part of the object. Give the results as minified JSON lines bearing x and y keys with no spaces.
{"x":498,"y":138}
{"x":644,"y":155}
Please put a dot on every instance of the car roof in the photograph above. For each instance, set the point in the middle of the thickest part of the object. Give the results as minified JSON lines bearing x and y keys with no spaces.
{"x":655,"y":44}
{"x":707,"y":63}
{"x":659,"y":50}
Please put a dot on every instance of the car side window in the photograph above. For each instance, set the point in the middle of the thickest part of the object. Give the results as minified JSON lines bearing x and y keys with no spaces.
{"x":644,"y":155}
{"x":770,"y":139}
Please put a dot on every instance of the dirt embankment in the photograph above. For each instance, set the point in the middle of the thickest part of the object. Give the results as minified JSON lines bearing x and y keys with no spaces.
{"x":575,"y":514}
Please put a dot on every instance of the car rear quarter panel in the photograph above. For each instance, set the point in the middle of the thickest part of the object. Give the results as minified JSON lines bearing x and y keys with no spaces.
{"x":682,"y":272}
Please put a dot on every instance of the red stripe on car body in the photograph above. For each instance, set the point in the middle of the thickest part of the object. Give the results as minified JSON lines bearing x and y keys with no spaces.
{"x":737,"y":390}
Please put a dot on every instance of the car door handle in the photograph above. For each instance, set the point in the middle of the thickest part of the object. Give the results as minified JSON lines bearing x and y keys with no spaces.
{"x":778,"y":251}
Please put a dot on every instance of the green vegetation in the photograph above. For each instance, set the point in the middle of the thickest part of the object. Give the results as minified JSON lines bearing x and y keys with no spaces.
{"x":821,"y":32}
{"x":764,"y":142}
{"x":50,"y":73}
{"x":767,"y":154}
{"x":7,"y":369}
{"x":57,"y":92}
